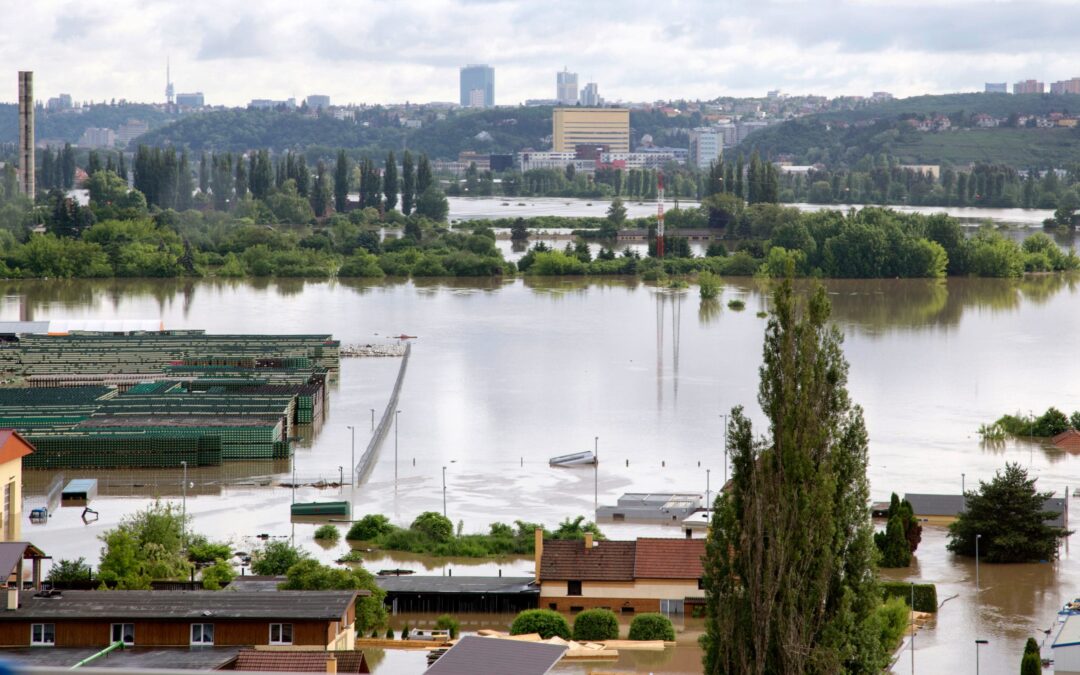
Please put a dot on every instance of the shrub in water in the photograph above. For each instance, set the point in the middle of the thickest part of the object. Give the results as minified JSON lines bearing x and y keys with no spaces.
{"x":596,"y":624}
{"x":546,"y":622}
{"x":447,"y":622}
{"x":327,"y":533}
{"x":652,"y":626}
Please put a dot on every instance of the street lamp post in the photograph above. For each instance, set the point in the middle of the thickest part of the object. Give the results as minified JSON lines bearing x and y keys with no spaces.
{"x":183,"y":508}
{"x":963,"y":490}
{"x":444,"y":492}
{"x":724,"y":415}
{"x":596,"y":474}
{"x":978,"y":643}
{"x":708,"y":491}
{"x":352,"y":463}
{"x":977,"y":538}
{"x":912,"y":628}
{"x":397,"y":417}
{"x":372,"y":418}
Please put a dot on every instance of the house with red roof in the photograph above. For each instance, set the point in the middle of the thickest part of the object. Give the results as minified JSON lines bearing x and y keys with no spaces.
{"x":13,"y":448}
{"x":646,"y":575}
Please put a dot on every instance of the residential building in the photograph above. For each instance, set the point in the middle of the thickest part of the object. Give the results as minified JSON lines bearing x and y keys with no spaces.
{"x":530,"y":159}
{"x":744,"y":129}
{"x":590,"y":96}
{"x":881,"y":96}
{"x":1029,"y":87}
{"x":647,"y":575}
{"x":97,"y":619}
{"x":931,"y":170}
{"x":475,"y":655}
{"x":943,"y":509}
{"x":996,"y":88}
{"x":730,"y":134}
{"x":590,"y":126}
{"x":566,"y":90}
{"x":292,"y":661}
{"x":129,"y":131}
{"x":13,"y":448}
{"x":267,"y":103}
{"x":1066,"y":86}
{"x":58,"y":103}
{"x":191,"y":100}
{"x":477,"y":83}
{"x":13,"y":558}
{"x":706,"y":146}
{"x":97,"y":137}
{"x":318,"y":101}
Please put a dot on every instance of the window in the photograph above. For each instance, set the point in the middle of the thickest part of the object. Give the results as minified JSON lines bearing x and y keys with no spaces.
{"x":202,"y":633}
{"x":701,"y":583}
{"x":672,"y":606}
{"x":43,"y":634}
{"x":123,"y":632}
{"x":281,"y":633}
{"x":573,"y":588}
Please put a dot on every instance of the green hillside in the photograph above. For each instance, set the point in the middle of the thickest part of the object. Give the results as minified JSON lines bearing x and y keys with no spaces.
{"x":998,"y":105}
{"x":68,"y":126}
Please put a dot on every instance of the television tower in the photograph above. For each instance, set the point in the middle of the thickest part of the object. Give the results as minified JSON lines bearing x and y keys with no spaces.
{"x":659,"y":214}
{"x":168,"y":83}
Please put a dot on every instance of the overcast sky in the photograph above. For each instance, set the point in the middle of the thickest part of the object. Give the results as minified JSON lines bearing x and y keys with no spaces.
{"x":637,"y":50}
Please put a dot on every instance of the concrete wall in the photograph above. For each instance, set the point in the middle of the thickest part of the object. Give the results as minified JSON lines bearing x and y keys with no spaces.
{"x":11,"y":473}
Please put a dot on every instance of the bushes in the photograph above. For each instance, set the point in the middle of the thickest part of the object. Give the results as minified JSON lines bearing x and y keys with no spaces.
{"x":893,"y":616}
{"x":596,"y":624}
{"x":709,"y":285}
{"x":218,"y":575}
{"x":1031,"y":663}
{"x":448,"y":623}
{"x":543,"y":621}
{"x":369,"y":527}
{"x":327,"y":533}
{"x":652,"y":626}
{"x":925,"y":594}
{"x":276,"y":558}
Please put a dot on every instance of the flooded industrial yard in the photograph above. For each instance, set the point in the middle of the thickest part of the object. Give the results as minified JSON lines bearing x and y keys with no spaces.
{"x":505,"y":374}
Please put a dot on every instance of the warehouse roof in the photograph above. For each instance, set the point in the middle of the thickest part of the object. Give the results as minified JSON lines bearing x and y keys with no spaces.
{"x":474,"y":655}
{"x":440,"y":584}
{"x":183,"y":605}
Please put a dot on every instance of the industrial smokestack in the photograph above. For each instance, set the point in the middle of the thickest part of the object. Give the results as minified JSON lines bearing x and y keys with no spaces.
{"x":26,"y":132}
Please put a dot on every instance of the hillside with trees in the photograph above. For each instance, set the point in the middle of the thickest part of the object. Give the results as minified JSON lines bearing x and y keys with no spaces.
{"x":69,"y":125}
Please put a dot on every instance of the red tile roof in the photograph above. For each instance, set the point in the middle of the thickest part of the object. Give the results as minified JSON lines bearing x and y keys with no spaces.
{"x":606,"y":561}
{"x":13,"y":446}
{"x":281,"y":661}
{"x":669,"y":558}
{"x":1068,"y":440}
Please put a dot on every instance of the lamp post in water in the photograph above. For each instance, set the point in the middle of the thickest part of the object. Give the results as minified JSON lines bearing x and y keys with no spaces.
{"x":708,"y":491}
{"x":724,"y":415}
{"x":444,"y":492}
{"x":352,"y":471}
{"x":372,"y":418}
{"x":596,"y":475}
{"x":183,"y":508}
{"x":397,"y":417}
{"x":977,"y":538}
{"x":979,"y":643}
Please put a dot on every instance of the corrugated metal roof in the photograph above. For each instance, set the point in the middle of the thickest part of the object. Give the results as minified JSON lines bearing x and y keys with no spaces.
{"x":952,"y":505}
{"x":474,"y":655}
{"x":17,"y":327}
{"x":203,"y":605}
{"x":433,"y":584}
{"x":169,"y":659}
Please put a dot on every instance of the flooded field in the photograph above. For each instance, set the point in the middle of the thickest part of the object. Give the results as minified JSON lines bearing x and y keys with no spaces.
{"x":504,"y":375}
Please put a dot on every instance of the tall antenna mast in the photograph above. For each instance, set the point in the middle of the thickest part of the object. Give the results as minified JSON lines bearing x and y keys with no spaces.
{"x":660,"y":214}
{"x":168,"y":82}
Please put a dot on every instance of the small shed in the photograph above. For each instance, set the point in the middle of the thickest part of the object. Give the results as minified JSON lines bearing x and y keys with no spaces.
{"x":79,"y":492}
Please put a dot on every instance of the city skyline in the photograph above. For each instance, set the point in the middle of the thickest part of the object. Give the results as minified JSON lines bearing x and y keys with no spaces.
{"x":381,"y":53}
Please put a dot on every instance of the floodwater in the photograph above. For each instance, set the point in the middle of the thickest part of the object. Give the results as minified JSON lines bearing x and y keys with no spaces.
{"x":470,"y":208}
{"x":505,"y":374}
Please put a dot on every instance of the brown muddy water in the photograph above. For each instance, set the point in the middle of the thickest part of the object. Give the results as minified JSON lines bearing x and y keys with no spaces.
{"x":505,"y":375}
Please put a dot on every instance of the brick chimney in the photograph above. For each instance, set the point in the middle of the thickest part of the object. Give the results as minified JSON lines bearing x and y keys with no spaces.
{"x":539,"y":553}
{"x":588,"y":542}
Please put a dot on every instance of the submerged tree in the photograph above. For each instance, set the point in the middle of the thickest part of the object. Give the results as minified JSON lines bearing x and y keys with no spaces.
{"x":789,"y":566}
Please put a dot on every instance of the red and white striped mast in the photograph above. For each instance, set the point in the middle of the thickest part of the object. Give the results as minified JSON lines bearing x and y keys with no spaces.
{"x":659,"y":214}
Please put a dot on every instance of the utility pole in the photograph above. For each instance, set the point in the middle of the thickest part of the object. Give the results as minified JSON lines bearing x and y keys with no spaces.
{"x":444,"y":492}
{"x":724,"y":415}
{"x":397,"y":417}
{"x":352,"y":471}
{"x":912,"y":628}
{"x":183,"y":508}
{"x":708,"y":492}
{"x":596,"y":475}
{"x":977,"y":538}
{"x":372,"y":418}
{"x":978,"y":643}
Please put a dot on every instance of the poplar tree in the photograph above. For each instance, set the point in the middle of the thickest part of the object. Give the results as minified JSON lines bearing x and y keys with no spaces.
{"x":204,"y":174}
{"x":739,"y":178}
{"x":408,"y":183}
{"x":320,"y":196}
{"x":390,"y":182}
{"x":185,"y":187}
{"x":423,"y":175}
{"x":303,"y":177}
{"x":221,"y":183}
{"x":789,"y":564}
{"x":241,"y":179}
{"x":341,"y":182}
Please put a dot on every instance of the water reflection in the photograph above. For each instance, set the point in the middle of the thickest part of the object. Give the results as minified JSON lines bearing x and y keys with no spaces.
{"x":708,"y":311}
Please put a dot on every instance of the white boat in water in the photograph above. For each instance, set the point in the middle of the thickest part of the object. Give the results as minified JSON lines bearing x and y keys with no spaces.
{"x":575,"y":459}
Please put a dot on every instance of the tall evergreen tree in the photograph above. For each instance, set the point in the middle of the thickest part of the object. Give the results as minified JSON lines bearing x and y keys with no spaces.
{"x":204,"y":174}
{"x":121,"y":167}
{"x":320,"y":196}
{"x":390,"y":182}
{"x":341,"y":182}
{"x":185,"y":186}
{"x":423,"y":175}
{"x":241,"y":185}
{"x":303,"y":177}
{"x":222,"y":181}
{"x":93,"y":163}
{"x":789,"y":565}
{"x":408,"y":183}
{"x":739,"y":170}
{"x":68,"y":166}
{"x":44,"y":176}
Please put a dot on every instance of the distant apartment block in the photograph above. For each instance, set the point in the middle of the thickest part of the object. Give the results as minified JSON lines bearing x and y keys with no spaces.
{"x":95,"y":137}
{"x":744,"y":129}
{"x":1066,"y":86}
{"x":996,"y":88}
{"x":590,"y":96}
{"x":477,"y":83}
{"x":730,"y":133}
{"x":191,"y":100}
{"x":61,"y":102}
{"x":267,"y":103}
{"x":318,"y":101}
{"x":566,"y":90}
{"x":1029,"y":87}
{"x":590,"y":126}
{"x":706,"y":146}
{"x":129,"y":131}
{"x":881,"y":96}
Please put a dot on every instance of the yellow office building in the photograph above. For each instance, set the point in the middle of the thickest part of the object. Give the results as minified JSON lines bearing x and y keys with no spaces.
{"x":590,"y":126}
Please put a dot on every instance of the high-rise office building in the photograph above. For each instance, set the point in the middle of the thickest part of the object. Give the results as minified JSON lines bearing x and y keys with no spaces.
{"x":316,"y":101}
{"x":477,"y":86}
{"x":566,"y":92}
{"x":26,"y":133}
{"x":609,"y":127}
{"x":192,"y":100}
{"x":1029,"y":87}
{"x":590,"y":95}
{"x":706,"y":146}
{"x":997,"y":88}
{"x":1066,"y":86}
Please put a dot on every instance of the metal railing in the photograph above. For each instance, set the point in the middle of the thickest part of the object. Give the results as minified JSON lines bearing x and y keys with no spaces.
{"x":367,"y":460}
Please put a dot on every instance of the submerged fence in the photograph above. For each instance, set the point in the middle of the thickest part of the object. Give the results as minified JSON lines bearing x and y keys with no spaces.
{"x":367,"y":460}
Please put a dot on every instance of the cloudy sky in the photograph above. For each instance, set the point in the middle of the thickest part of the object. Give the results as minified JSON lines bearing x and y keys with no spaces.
{"x":396,"y":50}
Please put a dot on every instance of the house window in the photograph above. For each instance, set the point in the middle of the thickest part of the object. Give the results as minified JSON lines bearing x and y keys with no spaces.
{"x":281,"y":633}
{"x":43,"y":634}
{"x":202,"y":633}
{"x":573,"y":588}
{"x":701,"y":584}
{"x":123,"y":632}
{"x":672,"y":606}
